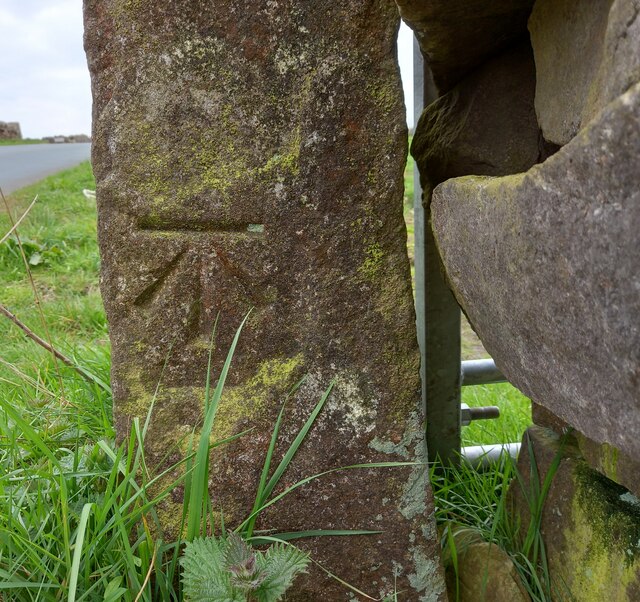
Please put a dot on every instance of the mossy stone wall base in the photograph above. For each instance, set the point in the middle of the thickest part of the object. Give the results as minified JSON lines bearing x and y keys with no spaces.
{"x":250,"y":155}
{"x":590,"y":525}
{"x":608,"y":460}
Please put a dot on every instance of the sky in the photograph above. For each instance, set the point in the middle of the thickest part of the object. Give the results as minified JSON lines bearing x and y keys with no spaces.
{"x":44,"y":82}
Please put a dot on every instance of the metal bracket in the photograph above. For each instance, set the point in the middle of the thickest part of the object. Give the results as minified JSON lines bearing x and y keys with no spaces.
{"x":469,"y":414}
{"x":480,"y":372}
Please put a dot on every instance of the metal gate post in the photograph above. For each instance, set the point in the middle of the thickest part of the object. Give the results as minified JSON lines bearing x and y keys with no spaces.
{"x":438,"y":314}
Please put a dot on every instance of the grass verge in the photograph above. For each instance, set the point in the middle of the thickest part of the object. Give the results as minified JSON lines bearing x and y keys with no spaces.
{"x":22,"y":141}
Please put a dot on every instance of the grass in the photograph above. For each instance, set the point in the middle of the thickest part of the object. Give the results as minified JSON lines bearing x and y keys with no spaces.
{"x":59,"y":237}
{"x":22,"y":141}
{"x":75,"y":511}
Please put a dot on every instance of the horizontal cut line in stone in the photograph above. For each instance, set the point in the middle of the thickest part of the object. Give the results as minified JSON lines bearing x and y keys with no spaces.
{"x":196,"y":227}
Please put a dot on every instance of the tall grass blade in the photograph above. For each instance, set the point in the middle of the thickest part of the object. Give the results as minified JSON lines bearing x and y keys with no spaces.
{"x":291,"y":452}
{"x":77,"y":552}
{"x":199,"y":493}
{"x":265,"y":472}
{"x":451,"y":543}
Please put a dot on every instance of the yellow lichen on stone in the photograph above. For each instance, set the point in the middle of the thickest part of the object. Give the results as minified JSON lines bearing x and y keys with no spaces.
{"x":595,"y":573}
{"x":609,"y":461}
{"x":374,"y":256}
{"x":274,"y":377}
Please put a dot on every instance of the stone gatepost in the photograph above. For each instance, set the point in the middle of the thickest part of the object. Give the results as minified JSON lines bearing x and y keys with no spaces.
{"x":250,"y":155}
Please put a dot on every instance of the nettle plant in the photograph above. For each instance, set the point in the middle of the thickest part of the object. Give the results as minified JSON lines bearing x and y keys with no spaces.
{"x":230,"y":569}
{"x":225,"y":567}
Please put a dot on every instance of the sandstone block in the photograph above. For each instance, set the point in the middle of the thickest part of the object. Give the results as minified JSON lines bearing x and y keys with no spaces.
{"x":590,"y":525}
{"x":587,"y":54}
{"x":486,"y":573}
{"x":250,"y":155}
{"x":545,"y":265}
{"x":458,"y":35}
{"x":486,"y":125}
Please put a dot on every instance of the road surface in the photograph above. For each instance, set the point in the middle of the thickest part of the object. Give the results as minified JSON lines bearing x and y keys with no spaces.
{"x":25,"y":164}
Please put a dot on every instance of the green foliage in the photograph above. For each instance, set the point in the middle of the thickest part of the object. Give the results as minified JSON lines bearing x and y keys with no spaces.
{"x":220,"y":569}
{"x":22,"y":141}
{"x":515,"y":414}
{"x":76,"y":516}
{"x":477,"y":502}
{"x":37,"y":254}
{"x":59,"y":235}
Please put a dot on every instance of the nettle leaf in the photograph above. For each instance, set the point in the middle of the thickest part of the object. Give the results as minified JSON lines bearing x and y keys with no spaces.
{"x":238,"y":551}
{"x":240,"y":561}
{"x":204,"y":575}
{"x":282,"y":563}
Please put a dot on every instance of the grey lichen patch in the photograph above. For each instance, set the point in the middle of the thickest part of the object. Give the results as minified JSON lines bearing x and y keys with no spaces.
{"x":357,"y":409}
{"x":426,"y":576}
{"x":413,"y":501}
{"x":414,"y":493}
{"x":404,"y":447}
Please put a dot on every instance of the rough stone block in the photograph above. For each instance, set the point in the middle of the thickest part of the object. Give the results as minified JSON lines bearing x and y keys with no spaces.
{"x":10,"y":131}
{"x":590,"y":525}
{"x":251,"y":155}
{"x":606,"y":459}
{"x":485,"y":572}
{"x":486,"y":125}
{"x":458,"y":35}
{"x":587,"y":54}
{"x":545,"y":265}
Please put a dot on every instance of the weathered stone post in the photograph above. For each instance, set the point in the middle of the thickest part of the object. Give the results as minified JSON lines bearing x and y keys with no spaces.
{"x":250,"y":154}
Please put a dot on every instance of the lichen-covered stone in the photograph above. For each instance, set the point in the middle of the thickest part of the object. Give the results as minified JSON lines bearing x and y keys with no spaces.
{"x":486,"y":125}
{"x":458,"y":35}
{"x":250,"y":154}
{"x":545,"y":265}
{"x":587,"y":54}
{"x":590,"y":525}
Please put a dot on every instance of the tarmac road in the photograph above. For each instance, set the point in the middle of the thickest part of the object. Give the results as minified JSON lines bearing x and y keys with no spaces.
{"x":25,"y":164}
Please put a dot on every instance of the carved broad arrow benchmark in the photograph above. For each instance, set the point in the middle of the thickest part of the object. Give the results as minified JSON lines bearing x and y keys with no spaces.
{"x":202,"y":277}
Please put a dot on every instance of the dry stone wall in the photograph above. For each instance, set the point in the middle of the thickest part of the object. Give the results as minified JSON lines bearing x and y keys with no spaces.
{"x":554,"y":288}
{"x":10,"y":130}
{"x":251,"y":155}
{"x":531,"y":172}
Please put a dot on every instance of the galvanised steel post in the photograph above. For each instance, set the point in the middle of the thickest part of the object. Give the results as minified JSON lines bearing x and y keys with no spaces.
{"x":438,"y":314}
